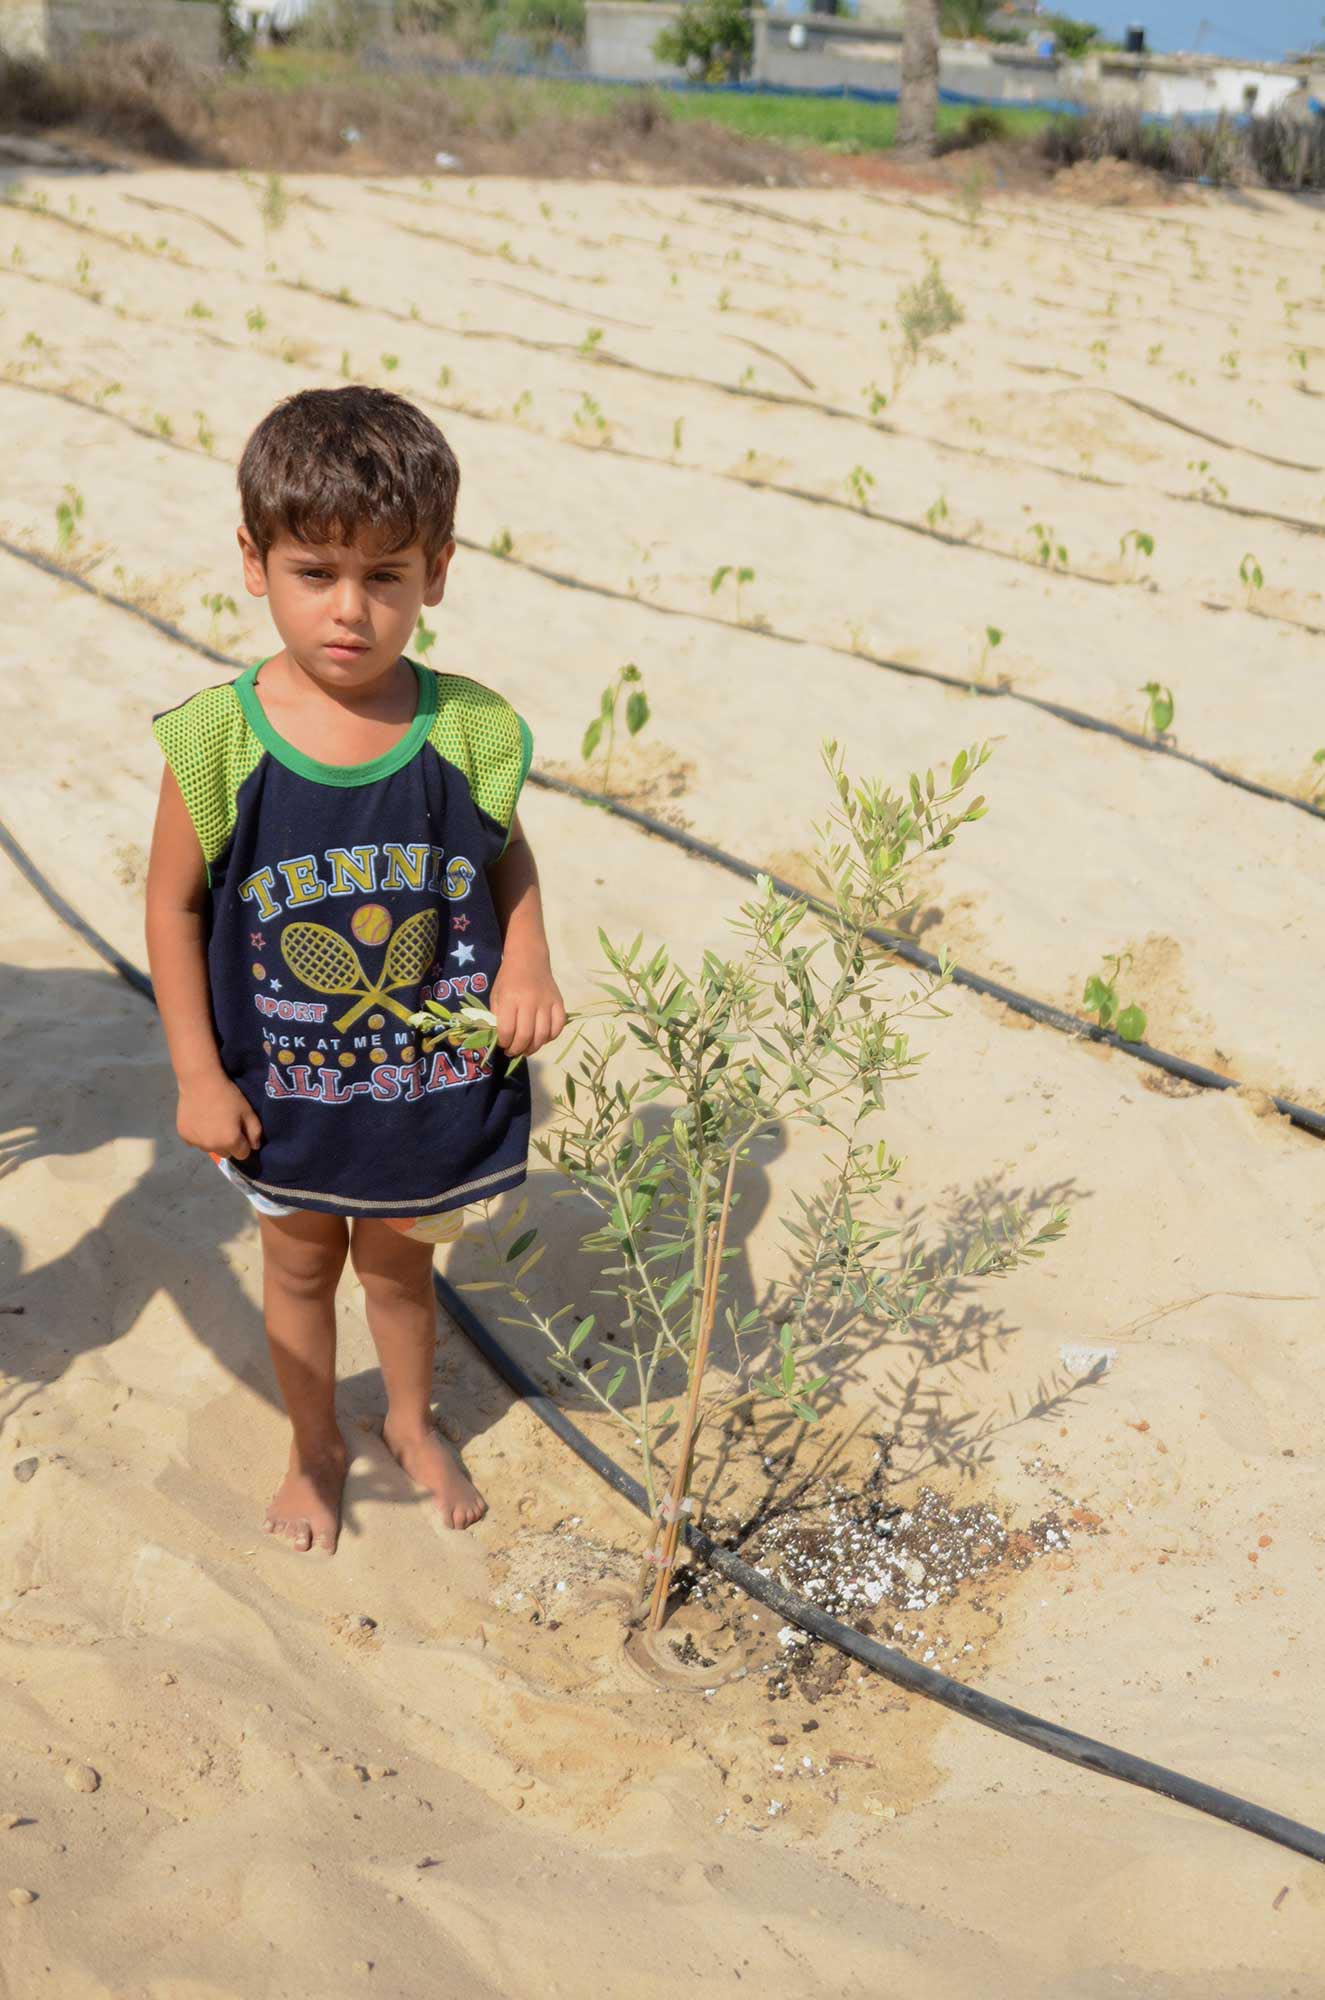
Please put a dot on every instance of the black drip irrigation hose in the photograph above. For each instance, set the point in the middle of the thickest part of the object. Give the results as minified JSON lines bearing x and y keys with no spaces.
{"x":1020,"y":1003}
{"x":892,"y":1665}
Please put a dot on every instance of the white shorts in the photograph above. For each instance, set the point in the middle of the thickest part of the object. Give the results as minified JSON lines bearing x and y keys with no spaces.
{"x":443,"y":1228}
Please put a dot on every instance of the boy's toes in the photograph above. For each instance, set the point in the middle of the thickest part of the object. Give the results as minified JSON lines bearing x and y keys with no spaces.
{"x":299,"y":1534}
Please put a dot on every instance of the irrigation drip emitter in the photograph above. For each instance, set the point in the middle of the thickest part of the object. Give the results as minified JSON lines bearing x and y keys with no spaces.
{"x":887,"y":1661}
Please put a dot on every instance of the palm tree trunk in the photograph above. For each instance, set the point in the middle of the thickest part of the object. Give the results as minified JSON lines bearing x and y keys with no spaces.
{"x":918,"y":109}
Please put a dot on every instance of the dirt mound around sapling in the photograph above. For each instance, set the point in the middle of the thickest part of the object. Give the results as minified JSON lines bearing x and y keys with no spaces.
{"x":924,"y":1578}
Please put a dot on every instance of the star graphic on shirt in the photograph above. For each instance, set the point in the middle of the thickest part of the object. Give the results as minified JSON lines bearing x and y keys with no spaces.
{"x":462,"y":953}
{"x":460,"y":923}
{"x":275,"y":985}
{"x":257,"y":940}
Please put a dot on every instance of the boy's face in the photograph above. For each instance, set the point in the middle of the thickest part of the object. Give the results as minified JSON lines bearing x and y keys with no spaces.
{"x":332,"y":596}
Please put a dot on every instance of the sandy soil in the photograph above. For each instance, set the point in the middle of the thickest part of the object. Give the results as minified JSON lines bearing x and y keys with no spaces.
{"x":310,"y":1774}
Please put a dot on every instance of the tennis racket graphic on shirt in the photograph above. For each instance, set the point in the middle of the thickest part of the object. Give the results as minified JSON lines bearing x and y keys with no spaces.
{"x":323,"y":960}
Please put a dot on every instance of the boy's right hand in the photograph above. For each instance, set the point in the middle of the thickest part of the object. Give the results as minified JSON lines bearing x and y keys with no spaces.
{"x":215,"y":1116}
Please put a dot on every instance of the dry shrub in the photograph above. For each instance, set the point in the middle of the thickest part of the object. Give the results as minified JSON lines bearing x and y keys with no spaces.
{"x":139,"y":94}
{"x":1277,"y":150}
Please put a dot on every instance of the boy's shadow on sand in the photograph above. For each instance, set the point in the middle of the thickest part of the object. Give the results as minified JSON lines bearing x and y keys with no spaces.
{"x":93,"y":1071}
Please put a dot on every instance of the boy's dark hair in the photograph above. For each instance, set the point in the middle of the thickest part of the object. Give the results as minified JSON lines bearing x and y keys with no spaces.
{"x":328,"y":464}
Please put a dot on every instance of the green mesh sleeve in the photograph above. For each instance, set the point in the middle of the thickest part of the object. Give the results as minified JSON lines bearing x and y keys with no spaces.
{"x":479,"y":732}
{"x":211,"y":750}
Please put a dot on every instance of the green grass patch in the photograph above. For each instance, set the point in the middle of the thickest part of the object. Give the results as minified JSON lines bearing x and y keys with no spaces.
{"x":839,"y":124}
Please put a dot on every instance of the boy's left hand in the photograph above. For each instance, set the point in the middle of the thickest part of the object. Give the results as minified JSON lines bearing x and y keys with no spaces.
{"x":528,"y":1005}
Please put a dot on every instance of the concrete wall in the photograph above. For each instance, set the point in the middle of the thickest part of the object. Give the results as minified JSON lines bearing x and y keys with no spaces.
{"x":1172,"y":87}
{"x":60,"y":27}
{"x":618,"y":39}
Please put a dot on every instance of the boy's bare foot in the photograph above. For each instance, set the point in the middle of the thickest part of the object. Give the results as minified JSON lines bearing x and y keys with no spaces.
{"x":305,"y":1507}
{"x":430,"y":1461}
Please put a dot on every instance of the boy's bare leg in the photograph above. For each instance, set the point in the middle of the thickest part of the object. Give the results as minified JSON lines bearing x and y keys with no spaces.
{"x":303,"y":1255}
{"x":396,"y":1275}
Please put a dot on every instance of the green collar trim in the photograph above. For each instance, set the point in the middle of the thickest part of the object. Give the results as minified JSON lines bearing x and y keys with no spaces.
{"x":338,"y":774}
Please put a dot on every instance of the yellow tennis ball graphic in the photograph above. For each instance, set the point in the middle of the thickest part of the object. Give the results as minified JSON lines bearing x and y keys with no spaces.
{"x":316,"y":1056}
{"x":346,"y":1061}
{"x":259,"y":971}
{"x":371,"y":923}
{"x":377,"y":1055}
{"x":285,"y":1055}
{"x":376,"y":1021}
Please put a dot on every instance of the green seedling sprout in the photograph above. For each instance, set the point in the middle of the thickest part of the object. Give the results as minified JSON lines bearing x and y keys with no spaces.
{"x":1047,"y":550}
{"x":604,"y":723}
{"x":164,"y":427}
{"x":589,"y":417}
{"x":390,"y":362}
{"x":936,"y":512}
{"x":522,"y":402}
{"x":1300,"y":358}
{"x":591,"y":340}
{"x":1153,"y":353}
{"x":742,"y":576}
{"x":1159,"y":707}
{"x":1101,"y":999}
{"x":1317,"y":781}
{"x":443,"y":377}
{"x":993,"y":640}
{"x":1136,"y":542}
{"x":199,"y":311}
{"x":501,"y":544}
{"x":424,"y":637}
{"x":859,"y":482}
{"x":206,"y":435}
{"x":1211,"y":487}
{"x":68,"y":514}
{"x":1253,"y":578}
{"x":255,"y":319}
{"x":677,"y":429}
{"x":216,"y":602}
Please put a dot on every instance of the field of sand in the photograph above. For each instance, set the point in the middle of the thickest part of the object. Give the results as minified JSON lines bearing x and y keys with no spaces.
{"x":422,"y":1769}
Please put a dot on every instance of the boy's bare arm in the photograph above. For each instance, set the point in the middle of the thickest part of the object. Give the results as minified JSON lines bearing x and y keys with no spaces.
{"x":525,"y":997}
{"x":213,"y":1113}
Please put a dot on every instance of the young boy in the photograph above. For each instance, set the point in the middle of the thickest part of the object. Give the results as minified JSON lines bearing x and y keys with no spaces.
{"x":336,"y":840}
